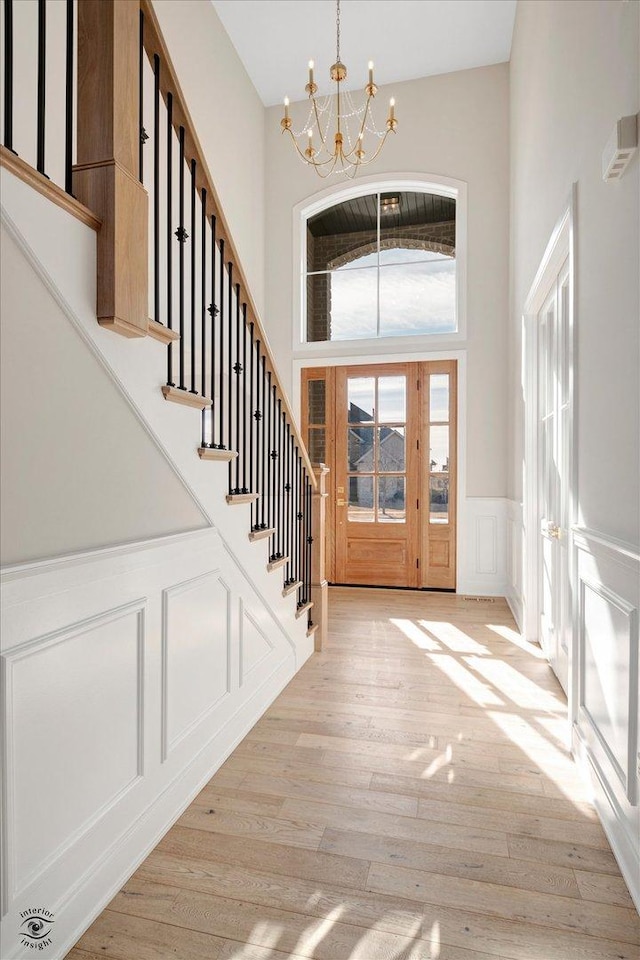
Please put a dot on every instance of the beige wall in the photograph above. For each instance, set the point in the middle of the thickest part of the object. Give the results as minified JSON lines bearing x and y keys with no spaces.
{"x":229,"y":119}
{"x":77,"y":465}
{"x":456,"y":126}
{"x":574,"y":72}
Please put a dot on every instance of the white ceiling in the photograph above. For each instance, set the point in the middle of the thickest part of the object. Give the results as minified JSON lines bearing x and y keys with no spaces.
{"x":405,"y":38}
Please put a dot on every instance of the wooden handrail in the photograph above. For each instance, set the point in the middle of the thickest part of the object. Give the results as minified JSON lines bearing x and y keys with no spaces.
{"x":154,"y":44}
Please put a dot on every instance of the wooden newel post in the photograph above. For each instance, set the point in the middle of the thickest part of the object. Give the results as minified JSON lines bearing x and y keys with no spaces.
{"x":106,"y":176}
{"x":319,"y":586}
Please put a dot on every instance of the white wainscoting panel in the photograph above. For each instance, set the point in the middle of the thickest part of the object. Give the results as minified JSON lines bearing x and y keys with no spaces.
{"x":515,"y":578}
{"x":121,"y":676}
{"x":607,"y":710}
{"x":196,"y":660}
{"x":482,"y":551}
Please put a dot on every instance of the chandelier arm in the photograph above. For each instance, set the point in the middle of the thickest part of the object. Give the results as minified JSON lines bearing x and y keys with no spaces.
{"x":364,"y":163}
{"x":311,"y":163}
{"x":355,"y":148}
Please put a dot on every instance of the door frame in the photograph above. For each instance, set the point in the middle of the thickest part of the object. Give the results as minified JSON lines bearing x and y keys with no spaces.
{"x":561,"y":246}
{"x":462,"y":524}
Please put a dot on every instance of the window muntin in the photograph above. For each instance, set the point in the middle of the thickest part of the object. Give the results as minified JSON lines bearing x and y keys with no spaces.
{"x":382,"y":266}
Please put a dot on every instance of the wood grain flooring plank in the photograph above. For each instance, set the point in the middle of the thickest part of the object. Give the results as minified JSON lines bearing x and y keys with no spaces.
{"x":273,"y":857}
{"x":603,"y":888}
{"x":492,"y":798}
{"x":563,"y":913}
{"x":406,"y":828}
{"x":588,"y":834}
{"x":574,"y":855}
{"x":273,"y":766}
{"x":447,"y":861}
{"x":292,"y":831}
{"x":347,"y":796}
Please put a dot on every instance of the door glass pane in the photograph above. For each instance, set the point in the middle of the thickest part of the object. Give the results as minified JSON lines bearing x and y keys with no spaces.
{"x":439,"y":452}
{"x":361,"y":452}
{"x":361,"y":509}
{"x":391,"y":500}
{"x":317,"y":445}
{"x":438,"y":499}
{"x":392,"y":400}
{"x":316,"y":391}
{"x":391,"y":455}
{"x":360,"y":399}
{"x":439,"y":397}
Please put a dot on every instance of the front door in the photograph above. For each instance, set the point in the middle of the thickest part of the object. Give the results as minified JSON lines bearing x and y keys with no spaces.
{"x":554,"y":412}
{"x":388,"y":434}
{"x":376,"y":476}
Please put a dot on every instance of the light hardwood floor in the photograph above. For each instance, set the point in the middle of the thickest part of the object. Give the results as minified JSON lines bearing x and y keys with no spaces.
{"x":407,"y":797}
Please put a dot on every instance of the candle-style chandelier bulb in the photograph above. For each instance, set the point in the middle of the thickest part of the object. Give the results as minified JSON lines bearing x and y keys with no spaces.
{"x":343,"y":150}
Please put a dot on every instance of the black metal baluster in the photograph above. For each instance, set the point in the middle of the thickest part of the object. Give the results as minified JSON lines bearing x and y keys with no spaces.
{"x":203,"y":308}
{"x":309,"y":542}
{"x":237,"y":369}
{"x":271,"y":464}
{"x":221,"y":444}
{"x":170,"y":381}
{"x":142,"y":135}
{"x":279,"y":478}
{"x":182,"y":236}
{"x":213,"y":311}
{"x":156,"y":188}
{"x":42,"y":79}
{"x":230,"y":371}
{"x":264,"y":450}
{"x":299,"y":529}
{"x":252,"y":482}
{"x":245,"y":424}
{"x":287,"y":502}
{"x":193,"y":279}
{"x":8,"y":74}
{"x":69,"y":88}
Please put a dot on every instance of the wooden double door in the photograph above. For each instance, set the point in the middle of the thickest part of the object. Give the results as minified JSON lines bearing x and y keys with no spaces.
{"x":388,"y":434}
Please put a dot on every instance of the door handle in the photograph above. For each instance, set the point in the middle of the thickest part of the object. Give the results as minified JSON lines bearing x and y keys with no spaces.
{"x":554,"y":531}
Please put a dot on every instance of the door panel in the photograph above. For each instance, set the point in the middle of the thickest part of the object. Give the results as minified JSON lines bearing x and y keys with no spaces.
{"x":376,"y":476}
{"x":553,"y":482}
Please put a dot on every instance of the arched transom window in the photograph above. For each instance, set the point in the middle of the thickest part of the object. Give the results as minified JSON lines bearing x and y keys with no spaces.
{"x":381,"y":265}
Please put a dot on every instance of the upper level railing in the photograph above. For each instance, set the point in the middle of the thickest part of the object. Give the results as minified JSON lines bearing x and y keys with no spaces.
{"x":167,"y":263}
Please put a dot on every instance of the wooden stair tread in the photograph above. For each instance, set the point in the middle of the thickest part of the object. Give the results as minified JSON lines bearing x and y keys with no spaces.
{"x":300,"y":612}
{"x":235,"y":498}
{"x":312,"y":629}
{"x":159,"y":332}
{"x":211,"y":453}
{"x":291,"y":588}
{"x":276,"y":564}
{"x":256,"y":535}
{"x":186,"y":398}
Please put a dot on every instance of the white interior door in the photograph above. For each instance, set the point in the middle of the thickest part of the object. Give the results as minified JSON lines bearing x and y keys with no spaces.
{"x":554,"y":422}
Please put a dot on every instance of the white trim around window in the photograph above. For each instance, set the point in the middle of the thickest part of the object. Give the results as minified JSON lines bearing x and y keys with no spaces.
{"x":331,"y":350}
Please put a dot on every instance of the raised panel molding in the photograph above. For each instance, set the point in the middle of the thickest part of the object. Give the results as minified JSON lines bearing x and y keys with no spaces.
{"x":605,"y":730}
{"x":196,"y":654}
{"x":482,"y":552}
{"x":41,"y":733}
{"x":255,"y":645}
{"x":616,"y":629}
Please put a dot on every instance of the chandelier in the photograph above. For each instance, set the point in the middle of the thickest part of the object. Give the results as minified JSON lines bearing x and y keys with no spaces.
{"x":337,"y":124}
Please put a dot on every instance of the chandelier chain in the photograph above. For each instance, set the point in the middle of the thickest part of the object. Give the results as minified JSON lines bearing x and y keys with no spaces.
{"x":338,"y":31}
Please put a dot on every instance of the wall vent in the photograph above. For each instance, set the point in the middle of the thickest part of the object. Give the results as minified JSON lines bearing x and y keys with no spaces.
{"x":481,"y":599}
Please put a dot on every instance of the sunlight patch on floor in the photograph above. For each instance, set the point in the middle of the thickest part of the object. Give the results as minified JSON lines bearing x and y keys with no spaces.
{"x":415,"y":634}
{"x":465,"y":681}
{"x":507,"y":633}
{"x":452,"y":637}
